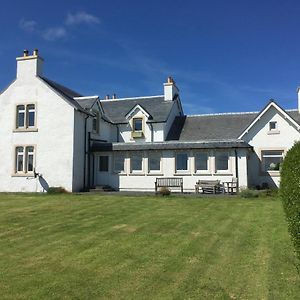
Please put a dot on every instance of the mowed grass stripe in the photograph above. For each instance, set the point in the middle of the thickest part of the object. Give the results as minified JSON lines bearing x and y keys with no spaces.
{"x":120,"y":247}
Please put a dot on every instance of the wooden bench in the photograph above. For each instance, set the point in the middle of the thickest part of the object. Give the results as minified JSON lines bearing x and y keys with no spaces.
{"x":169,"y":182}
{"x":209,"y":186}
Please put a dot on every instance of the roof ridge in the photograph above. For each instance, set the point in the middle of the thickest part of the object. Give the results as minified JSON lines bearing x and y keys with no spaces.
{"x":131,"y":98}
{"x":224,"y":114}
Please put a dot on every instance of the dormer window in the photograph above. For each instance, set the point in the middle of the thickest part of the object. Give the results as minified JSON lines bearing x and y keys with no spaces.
{"x":138,"y":124}
{"x":25,"y":116}
{"x":137,"y":127}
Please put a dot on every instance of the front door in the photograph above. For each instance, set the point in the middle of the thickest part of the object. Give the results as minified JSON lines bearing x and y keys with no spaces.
{"x":103,"y":170}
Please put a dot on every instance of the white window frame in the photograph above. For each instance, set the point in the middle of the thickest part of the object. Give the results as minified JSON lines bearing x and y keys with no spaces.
{"x":26,"y":112}
{"x":133,"y":155}
{"x":208,"y":162}
{"x":262,"y":156}
{"x":273,"y":130}
{"x":119,"y":155}
{"x":177,"y":171}
{"x":133,"y":124}
{"x":229,"y":168}
{"x":155,"y":154}
{"x":25,"y":157}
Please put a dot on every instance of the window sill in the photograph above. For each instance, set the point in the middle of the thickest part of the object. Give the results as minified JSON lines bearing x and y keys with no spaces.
{"x":137,"y":134}
{"x":26,"y":130}
{"x":223,"y":173}
{"x":187,"y":173}
{"x":31,"y":175}
{"x":271,"y":173}
{"x":137,"y":174}
{"x":119,"y":173}
{"x":203,"y":173}
{"x":270,"y":132}
{"x":155,"y":174}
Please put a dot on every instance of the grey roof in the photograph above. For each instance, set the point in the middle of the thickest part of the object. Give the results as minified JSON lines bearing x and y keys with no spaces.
{"x":86,"y":103}
{"x":214,"y":127}
{"x":222,"y":144}
{"x":157,"y":108}
{"x":209,"y":127}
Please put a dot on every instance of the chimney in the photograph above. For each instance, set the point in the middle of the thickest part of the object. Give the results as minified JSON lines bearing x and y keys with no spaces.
{"x":29,"y":65}
{"x":114,"y":96}
{"x":170,"y":89}
{"x":107,"y":97}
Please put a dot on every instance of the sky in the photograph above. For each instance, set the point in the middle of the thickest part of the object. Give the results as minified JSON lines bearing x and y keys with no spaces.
{"x":225,"y":56}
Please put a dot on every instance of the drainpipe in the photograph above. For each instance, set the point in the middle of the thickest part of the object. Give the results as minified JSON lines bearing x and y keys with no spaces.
{"x":118,"y":133}
{"x":151,"y":126}
{"x":85,"y":152}
{"x":89,"y":161}
{"x":236,"y":169}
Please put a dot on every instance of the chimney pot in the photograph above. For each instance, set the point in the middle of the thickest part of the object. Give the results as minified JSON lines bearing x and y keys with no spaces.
{"x":35,"y":52}
{"x":25,"y":53}
{"x":170,"y":80}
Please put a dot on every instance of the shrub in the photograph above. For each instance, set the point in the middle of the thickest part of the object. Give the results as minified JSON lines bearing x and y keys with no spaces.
{"x":57,"y":190}
{"x":248,"y":193}
{"x":290,"y":193}
{"x":164,"y":191}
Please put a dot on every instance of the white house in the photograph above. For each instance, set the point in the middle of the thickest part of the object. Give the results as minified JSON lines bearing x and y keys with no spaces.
{"x":53,"y":136}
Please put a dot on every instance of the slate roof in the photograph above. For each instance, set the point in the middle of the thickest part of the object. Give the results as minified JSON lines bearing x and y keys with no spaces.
{"x":157,"y":108}
{"x":86,"y":103}
{"x":214,"y":127}
{"x":170,"y":145}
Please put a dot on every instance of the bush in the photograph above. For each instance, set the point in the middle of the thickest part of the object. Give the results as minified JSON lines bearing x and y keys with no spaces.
{"x":164,"y":191}
{"x":247,"y":193}
{"x":290,"y":193}
{"x":57,"y":190}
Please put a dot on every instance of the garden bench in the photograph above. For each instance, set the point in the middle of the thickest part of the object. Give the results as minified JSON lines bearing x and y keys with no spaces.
{"x":169,"y":182}
{"x":209,"y":186}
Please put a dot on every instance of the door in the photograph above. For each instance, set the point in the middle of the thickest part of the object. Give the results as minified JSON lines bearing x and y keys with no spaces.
{"x":102,"y":170}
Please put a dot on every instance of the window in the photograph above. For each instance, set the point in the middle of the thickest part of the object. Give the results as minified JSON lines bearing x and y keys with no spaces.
{"x":201,"y":161}
{"x":273,"y":126}
{"x":137,"y":163}
{"x":119,"y":163}
{"x":25,"y":116}
{"x":138,"y":124}
{"x":30,"y":115}
{"x":20,"y":116}
{"x":222,"y":160}
{"x":24,"y":159}
{"x":181,"y":162}
{"x":95,"y":123}
{"x":271,"y":160}
{"x":154,"y":162}
{"x":103,"y":163}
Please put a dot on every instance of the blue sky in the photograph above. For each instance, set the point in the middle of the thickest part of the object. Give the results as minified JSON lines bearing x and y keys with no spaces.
{"x":224,"y":55}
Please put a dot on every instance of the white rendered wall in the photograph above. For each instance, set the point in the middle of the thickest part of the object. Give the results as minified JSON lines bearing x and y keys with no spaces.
{"x":144,"y":181}
{"x":53,"y":141}
{"x":261,"y":138}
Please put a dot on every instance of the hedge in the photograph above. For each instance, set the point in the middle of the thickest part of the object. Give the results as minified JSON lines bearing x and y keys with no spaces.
{"x":290,"y":193}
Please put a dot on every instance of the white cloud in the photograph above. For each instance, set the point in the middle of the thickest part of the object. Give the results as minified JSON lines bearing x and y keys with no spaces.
{"x":54,"y":33}
{"x":28,"y":25}
{"x":81,"y":17}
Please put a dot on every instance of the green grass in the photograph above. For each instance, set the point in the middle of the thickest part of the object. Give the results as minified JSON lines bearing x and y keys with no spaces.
{"x":121,"y":247}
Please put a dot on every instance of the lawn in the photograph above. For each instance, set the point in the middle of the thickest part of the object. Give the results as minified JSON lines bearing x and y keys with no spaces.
{"x":122,"y":247}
